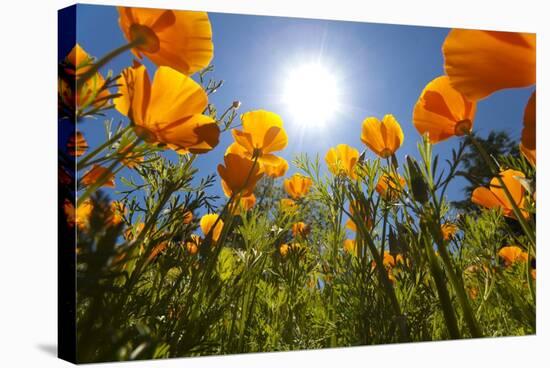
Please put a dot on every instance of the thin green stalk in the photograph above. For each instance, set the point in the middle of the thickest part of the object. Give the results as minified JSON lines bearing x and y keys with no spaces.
{"x":227,"y":208}
{"x":132,"y":280}
{"x":384,"y":226}
{"x":105,"y":59}
{"x":383,"y":277}
{"x":335,"y":245}
{"x":444,"y":298}
{"x":388,"y":287}
{"x":460,"y":293}
{"x":437,"y":236}
{"x":84,"y":161}
{"x":246,"y":321}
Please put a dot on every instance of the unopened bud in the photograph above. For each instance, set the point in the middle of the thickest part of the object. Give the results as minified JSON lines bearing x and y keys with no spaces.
{"x":236,"y":104}
{"x":419,"y":187}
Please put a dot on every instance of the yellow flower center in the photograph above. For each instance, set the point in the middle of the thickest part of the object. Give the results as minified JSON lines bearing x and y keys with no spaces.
{"x":145,"y":37}
{"x":463,"y":127}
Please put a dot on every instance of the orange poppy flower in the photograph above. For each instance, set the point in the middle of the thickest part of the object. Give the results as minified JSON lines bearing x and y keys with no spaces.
{"x":83,"y":214}
{"x":530,"y":155}
{"x":79,"y":217}
{"x":283,"y":249}
{"x":133,"y":232}
{"x":528,"y":145}
{"x":157,"y":249}
{"x":297,"y":186}
{"x":482,"y":62}
{"x":77,"y":145}
{"x":97,"y":172}
{"x":167,"y":111}
{"x":262,"y":134}
{"x":63,"y":177}
{"x":350,"y":224}
{"x":399,"y":259}
{"x":248,"y":202}
{"x":288,"y":205}
{"x":494,"y":196}
{"x":442,"y":112}
{"x":131,"y":159}
{"x":388,"y":261}
{"x":512,"y":254}
{"x":390,"y":186}
{"x":239,"y":175}
{"x":193,"y":244}
{"x":243,"y":204}
{"x":448,"y":230}
{"x":271,"y":165}
{"x":301,"y":229}
{"x":70,"y":213}
{"x":276,"y":169}
{"x":179,"y":39}
{"x":382,"y":137}
{"x":350,"y":246}
{"x":117,"y":213}
{"x":90,"y":93}
{"x":207,"y":226}
{"x":473,"y":292}
{"x":341,"y":160}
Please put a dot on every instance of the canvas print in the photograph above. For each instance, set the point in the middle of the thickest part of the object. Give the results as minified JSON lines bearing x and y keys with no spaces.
{"x":238,"y":183}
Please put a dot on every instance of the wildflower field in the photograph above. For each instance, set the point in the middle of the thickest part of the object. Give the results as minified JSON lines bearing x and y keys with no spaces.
{"x":356,"y":245}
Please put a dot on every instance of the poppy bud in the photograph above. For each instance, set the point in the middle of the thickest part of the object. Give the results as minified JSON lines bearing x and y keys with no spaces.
{"x":418,"y":187}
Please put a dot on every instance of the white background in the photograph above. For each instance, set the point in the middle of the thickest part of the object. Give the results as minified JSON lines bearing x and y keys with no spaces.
{"x":28,"y":127}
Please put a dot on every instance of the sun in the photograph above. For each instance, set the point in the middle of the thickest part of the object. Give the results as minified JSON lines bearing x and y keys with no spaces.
{"x":311,"y":95}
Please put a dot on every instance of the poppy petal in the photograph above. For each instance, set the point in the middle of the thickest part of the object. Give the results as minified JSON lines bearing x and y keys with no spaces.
{"x":482,"y":62}
{"x":174,"y":96}
{"x":529,"y":132}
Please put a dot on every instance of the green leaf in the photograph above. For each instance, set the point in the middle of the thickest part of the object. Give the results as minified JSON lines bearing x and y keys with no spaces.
{"x":227,"y":264}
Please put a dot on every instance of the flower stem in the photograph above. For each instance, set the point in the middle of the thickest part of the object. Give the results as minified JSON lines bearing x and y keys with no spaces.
{"x":104,"y":60}
{"x":461,"y":294}
{"x":444,"y":298}
{"x":85,"y":160}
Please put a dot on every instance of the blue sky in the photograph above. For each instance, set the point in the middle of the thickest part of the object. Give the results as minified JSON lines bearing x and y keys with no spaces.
{"x":380,"y":69}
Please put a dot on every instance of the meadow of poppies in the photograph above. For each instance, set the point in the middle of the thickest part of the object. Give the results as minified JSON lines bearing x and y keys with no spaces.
{"x":360,"y":246}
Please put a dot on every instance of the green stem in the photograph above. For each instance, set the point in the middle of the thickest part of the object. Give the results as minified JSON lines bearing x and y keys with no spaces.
{"x":335,"y":244}
{"x":383,"y":277}
{"x":104,"y":60}
{"x":84,"y":161}
{"x":148,"y":225}
{"x":444,"y":298}
{"x":461,"y":294}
